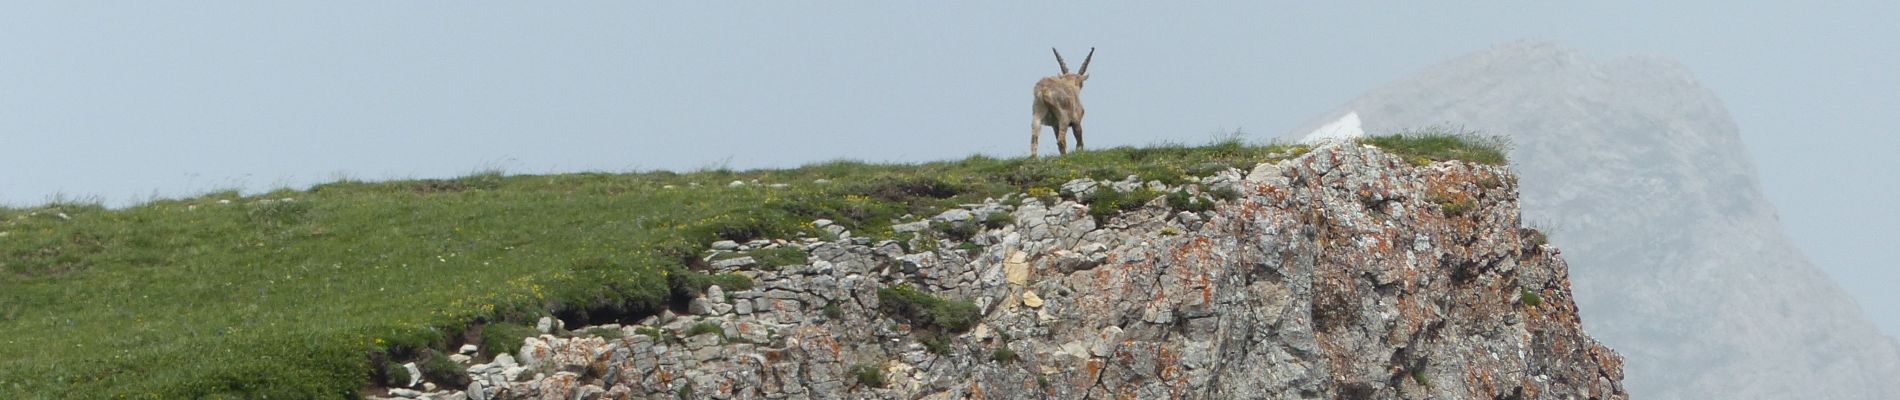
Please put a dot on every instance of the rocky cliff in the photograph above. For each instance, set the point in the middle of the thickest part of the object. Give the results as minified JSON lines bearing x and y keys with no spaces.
{"x":1346,"y":272}
{"x":1681,"y":264}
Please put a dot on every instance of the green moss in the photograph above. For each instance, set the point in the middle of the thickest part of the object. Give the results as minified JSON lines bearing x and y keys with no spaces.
{"x":1530,"y":298}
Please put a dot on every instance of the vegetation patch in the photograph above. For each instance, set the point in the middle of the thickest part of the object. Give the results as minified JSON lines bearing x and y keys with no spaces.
{"x":1106,"y":202}
{"x":505,"y":338}
{"x":394,"y":375}
{"x":866,"y":375}
{"x":998,"y":220}
{"x":1454,"y":206}
{"x":1535,"y":238}
{"x":610,"y":333}
{"x":705,"y":327}
{"x":959,"y":231}
{"x":1003,"y":355}
{"x":1530,"y":298}
{"x":438,"y":368}
{"x":649,"y":331}
{"x":1424,"y":146}
{"x":1418,"y":375}
{"x":1180,"y":200}
{"x":397,"y":267}
{"x":927,"y":311}
{"x":771,"y":258}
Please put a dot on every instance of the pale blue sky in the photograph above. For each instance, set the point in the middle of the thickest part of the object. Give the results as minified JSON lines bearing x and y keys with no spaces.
{"x":124,"y":100}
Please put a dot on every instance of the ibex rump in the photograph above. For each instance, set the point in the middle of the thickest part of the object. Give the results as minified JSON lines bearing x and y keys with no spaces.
{"x":1059,"y":105}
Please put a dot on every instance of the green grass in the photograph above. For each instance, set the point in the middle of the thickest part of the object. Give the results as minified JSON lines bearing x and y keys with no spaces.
{"x":504,"y":338}
{"x":1003,"y":355}
{"x":867,"y":375}
{"x":704,"y":328}
{"x":925,"y":310}
{"x":1105,"y":202}
{"x":771,"y":258}
{"x":1425,"y":146}
{"x":191,"y":298}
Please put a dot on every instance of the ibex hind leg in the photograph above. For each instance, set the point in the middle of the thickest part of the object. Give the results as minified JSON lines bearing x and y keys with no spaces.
{"x":1076,"y":128}
{"x":1062,"y":141}
{"x":1035,"y":135}
{"x":1062,"y":138}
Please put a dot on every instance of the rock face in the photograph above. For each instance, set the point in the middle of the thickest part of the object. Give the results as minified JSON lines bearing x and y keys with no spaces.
{"x":1680,"y":262}
{"x":1347,"y":274}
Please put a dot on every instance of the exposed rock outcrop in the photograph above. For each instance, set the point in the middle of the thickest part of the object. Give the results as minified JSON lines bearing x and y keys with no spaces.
{"x":1342,"y":273}
{"x":1680,"y":262}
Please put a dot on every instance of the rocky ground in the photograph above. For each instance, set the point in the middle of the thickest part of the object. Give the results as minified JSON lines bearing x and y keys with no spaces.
{"x":1342,"y":273}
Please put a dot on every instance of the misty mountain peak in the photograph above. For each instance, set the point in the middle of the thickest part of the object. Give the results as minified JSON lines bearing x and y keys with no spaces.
{"x":1640,"y":173}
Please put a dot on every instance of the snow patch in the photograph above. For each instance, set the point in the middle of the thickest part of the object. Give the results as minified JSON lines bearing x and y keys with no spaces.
{"x":1343,"y":129}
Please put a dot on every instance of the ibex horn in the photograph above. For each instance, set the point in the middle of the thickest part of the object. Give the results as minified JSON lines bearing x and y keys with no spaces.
{"x":1085,"y":62}
{"x":1059,"y":62}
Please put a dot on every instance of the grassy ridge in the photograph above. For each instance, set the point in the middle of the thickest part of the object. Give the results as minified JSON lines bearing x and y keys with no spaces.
{"x":223,"y":295}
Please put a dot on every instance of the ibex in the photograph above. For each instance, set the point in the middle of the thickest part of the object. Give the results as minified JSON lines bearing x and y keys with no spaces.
{"x":1059,"y":105}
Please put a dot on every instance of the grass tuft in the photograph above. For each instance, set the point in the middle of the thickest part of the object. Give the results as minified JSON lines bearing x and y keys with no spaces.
{"x":504,"y":338}
{"x":1424,"y":146}
{"x":705,"y":327}
{"x":1003,"y":355}
{"x":866,"y":375}
{"x":925,"y":310}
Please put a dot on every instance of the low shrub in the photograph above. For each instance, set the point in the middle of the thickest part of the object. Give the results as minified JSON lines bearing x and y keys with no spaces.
{"x":438,"y":368}
{"x":504,"y":337}
{"x":998,"y":220}
{"x":867,"y":375}
{"x":705,"y":327}
{"x":1182,"y":201}
{"x":1003,"y":355}
{"x":925,"y":310}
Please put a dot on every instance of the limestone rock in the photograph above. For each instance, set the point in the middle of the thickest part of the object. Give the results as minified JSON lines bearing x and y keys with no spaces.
{"x":1298,"y":291}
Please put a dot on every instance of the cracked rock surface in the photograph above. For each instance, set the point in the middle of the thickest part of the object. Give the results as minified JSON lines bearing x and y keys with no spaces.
{"x":1342,"y":273}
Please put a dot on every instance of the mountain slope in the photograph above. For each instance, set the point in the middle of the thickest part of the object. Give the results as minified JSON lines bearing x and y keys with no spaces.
{"x":1344,"y":273}
{"x":1679,"y":262}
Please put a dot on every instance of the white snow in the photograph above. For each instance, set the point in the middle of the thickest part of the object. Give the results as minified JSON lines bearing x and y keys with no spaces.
{"x":1344,"y":129}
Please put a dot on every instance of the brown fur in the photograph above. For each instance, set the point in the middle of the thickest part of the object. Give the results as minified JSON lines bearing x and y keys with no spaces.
{"x":1059,"y":105}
